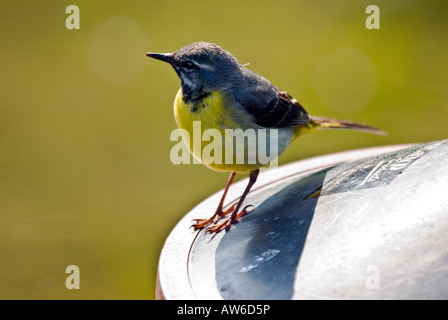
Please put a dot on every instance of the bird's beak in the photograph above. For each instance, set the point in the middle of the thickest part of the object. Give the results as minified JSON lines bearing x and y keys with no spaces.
{"x":167,"y":57}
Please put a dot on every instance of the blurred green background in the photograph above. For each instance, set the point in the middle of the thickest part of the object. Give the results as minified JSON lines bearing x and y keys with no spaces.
{"x":85,"y":118}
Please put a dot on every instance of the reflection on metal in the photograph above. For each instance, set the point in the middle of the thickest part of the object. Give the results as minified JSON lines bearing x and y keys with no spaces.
{"x":364,"y":224}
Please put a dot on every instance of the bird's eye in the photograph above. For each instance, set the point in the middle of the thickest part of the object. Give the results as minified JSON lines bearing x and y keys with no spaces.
{"x":189,"y":65}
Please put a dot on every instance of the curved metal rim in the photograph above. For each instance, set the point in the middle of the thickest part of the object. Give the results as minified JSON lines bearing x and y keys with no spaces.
{"x":172,"y":274}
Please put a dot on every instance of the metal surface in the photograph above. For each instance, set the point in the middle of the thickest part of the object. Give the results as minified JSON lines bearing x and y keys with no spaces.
{"x":369,"y":223}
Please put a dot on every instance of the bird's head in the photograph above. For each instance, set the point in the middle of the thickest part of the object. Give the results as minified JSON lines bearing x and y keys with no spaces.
{"x":202,"y":67}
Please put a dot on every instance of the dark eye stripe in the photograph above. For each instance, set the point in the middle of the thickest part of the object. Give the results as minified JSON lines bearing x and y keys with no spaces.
{"x":189,"y":65}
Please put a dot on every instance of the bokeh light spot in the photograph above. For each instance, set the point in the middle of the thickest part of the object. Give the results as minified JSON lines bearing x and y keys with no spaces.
{"x":345,"y":79}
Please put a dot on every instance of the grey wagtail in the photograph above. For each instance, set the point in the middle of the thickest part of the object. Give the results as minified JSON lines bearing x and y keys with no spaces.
{"x":223,"y":94}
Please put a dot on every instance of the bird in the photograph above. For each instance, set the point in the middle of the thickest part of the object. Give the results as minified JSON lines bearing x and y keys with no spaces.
{"x":222,"y":94}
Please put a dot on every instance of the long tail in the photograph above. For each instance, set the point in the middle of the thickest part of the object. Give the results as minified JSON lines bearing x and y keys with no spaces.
{"x":326,"y":123}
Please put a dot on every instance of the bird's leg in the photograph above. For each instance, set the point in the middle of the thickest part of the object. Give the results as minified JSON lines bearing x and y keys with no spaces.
{"x":236,"y":214}
{"x":219,"y":213}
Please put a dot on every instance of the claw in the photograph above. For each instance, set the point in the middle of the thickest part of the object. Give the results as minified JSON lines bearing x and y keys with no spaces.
{"x":217,"y":228}
{"x":222,"y":214}
{"x":245,"y":209}
{"x":198,"y":224}
{"x":226,"y":224}
{"x":219,"y":214}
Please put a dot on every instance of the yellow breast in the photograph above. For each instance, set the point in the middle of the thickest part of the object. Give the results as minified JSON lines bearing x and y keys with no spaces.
{"x":211,"y":112}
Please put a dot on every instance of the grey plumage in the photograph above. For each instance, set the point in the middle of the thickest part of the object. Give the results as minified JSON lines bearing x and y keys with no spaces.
{"x":205,"y":67}
{"x":218,"y":70}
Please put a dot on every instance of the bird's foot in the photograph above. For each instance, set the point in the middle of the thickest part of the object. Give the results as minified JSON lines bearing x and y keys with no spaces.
{"x":226,"y":224}
{"x":202,"y":223}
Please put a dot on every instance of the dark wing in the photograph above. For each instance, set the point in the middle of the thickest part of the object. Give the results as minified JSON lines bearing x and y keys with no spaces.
{"x":280,"y":111}
{"x":268,"y":106}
